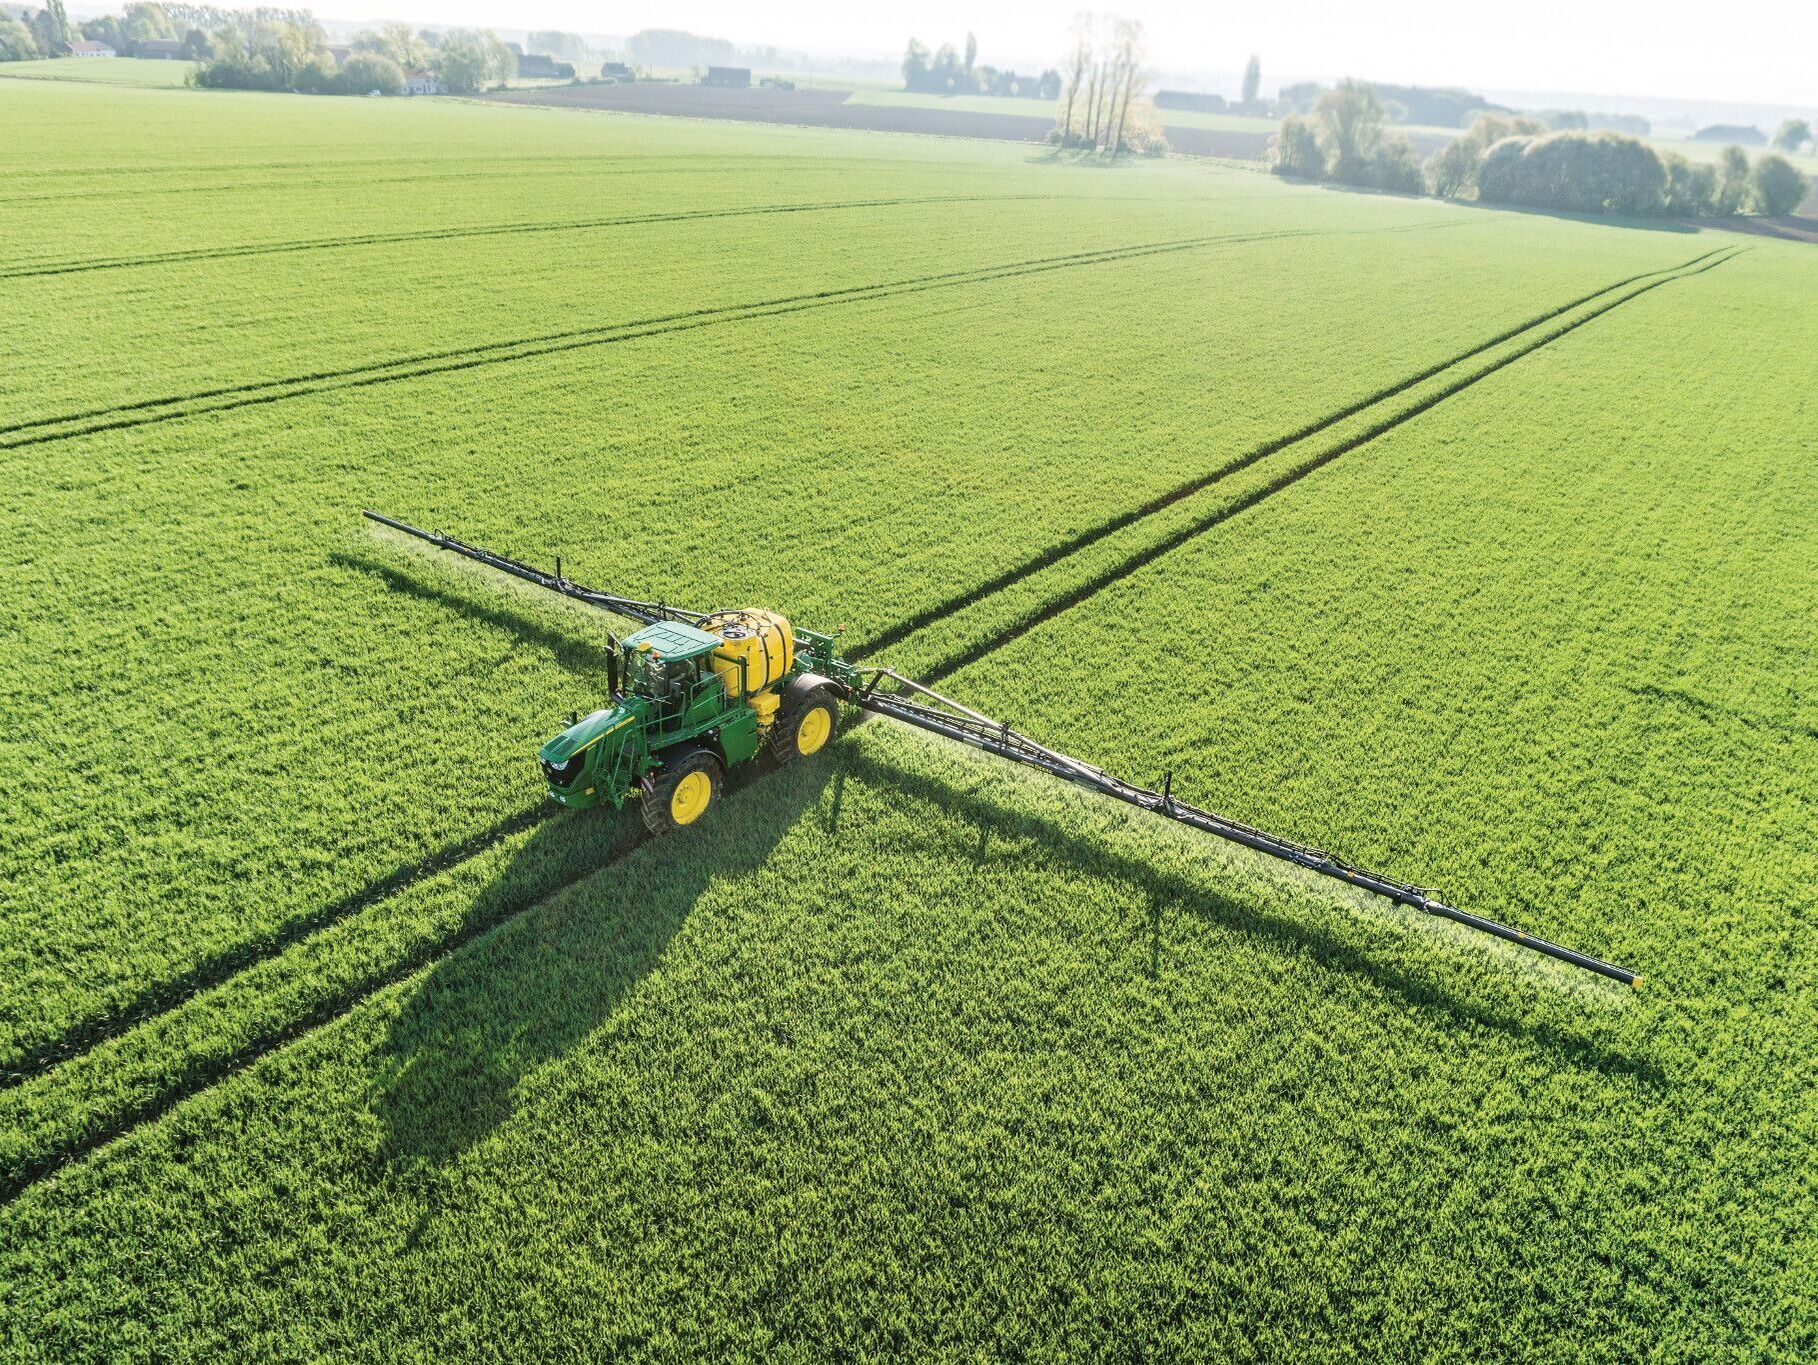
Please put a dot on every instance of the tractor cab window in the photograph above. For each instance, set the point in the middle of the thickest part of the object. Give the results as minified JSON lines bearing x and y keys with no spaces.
{"x":645,"y":675}
{"x":656,"y":678}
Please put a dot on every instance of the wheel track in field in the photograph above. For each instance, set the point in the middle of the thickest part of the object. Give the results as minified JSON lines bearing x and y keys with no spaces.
{"x":190,"y":985}
{"x":37,"y":269}
{"x":218,"y":968}
{"x":212,"y":1072}
{"x":1147,"y":555}
{"x":349,"y":171}
{"x":149,"y":411}
{"x":1160,"y":503}
{"x":321,"y":174}
{"x":593,"y":168}
{"x":316,"y":183}
{"x":436,"y":362}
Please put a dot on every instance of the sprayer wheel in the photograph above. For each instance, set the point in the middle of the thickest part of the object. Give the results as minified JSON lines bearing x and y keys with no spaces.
{"x":806,"y":727}
{"x":682,"y":791}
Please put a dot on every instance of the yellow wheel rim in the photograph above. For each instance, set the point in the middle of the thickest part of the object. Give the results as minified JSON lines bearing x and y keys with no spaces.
{"x":813,"y":731}
{"x":690,"y":798}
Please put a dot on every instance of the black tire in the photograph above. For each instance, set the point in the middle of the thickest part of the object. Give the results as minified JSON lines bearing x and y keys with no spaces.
{"x":788,"y":736}
{"x":676,"y":797}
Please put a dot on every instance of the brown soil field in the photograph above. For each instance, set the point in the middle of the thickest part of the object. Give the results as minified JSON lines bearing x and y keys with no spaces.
{"x":1792,"y":228}
{"x":817,"y":108}
{"x":828,"y":109}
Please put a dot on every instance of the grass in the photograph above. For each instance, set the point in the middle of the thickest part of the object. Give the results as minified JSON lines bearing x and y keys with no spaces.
{"x":132,"y":71}
{"x":1469,"y":544}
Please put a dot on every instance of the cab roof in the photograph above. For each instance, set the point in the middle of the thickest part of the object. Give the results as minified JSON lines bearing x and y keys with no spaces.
{"x":673,"y":640}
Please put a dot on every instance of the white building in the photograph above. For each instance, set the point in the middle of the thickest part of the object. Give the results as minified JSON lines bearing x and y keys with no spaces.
{"x":421,"y":83}
{"x":90,"y":50}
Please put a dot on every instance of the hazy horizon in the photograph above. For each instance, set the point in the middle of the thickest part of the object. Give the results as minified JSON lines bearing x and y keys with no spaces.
{"x":1614,"y":47}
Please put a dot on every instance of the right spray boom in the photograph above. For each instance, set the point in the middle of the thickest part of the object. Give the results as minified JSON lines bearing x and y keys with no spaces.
{"x":928,"y":710}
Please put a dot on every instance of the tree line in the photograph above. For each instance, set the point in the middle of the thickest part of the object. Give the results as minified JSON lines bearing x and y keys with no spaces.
{"x":1347,"y":138}
{"x":673,"y":47}
{"x":1433,"y":106}
{"x":1521,"y":161}
{"x":1579,"y":120}
{"x":947,"y":72}
{"x":1099,"y":106}
{"x":558,"y":44}
{"x":1794,"y":135}
{"x":49,"y":32}
{"x":293,"y":54}
{"x":272,"y":48}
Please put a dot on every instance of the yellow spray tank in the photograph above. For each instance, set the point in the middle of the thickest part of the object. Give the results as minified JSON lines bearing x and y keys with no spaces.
{"x":765,"y":644}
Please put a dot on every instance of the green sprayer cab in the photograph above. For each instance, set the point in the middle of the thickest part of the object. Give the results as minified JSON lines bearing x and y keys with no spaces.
{"x":690,"y":701}
{"x":693,"y":694}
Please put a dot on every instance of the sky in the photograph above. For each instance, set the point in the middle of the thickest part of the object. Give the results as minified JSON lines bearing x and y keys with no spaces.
{"x":1760,"y":51}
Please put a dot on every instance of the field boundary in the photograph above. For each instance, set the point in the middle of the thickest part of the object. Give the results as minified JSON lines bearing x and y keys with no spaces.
{"x":147,"y":411}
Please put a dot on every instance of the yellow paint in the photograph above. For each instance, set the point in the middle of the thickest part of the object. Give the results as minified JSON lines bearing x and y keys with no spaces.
{"x":813,"y":731}
{"x":690,"y":799}
{"x":762,"y":639}
{"x":765,"y":704}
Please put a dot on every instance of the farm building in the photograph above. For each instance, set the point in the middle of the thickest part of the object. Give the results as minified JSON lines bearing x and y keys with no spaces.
{"x":421,"y":83}
{"x":160,"y":50}
{"x":728,"y":77}
{"x":91,"y":50}
{"x":339,"y":53}
{"x":616,"y":71}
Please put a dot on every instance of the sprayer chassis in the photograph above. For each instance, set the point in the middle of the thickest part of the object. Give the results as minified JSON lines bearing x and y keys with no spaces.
{"x":661,"y":734}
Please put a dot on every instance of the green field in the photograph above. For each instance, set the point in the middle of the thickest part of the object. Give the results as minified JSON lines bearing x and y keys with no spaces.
{"x":100,"y":70}
{"x":1475,"y":546}
{"x":1711,"y":151}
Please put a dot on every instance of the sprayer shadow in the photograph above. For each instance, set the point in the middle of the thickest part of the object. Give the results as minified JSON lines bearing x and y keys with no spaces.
{"x":573,"y":652}
{"x":1163,"y":890}
{"x":609,"y":901}
{"x":480,"y":1021}
{"x":588,"y":906}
